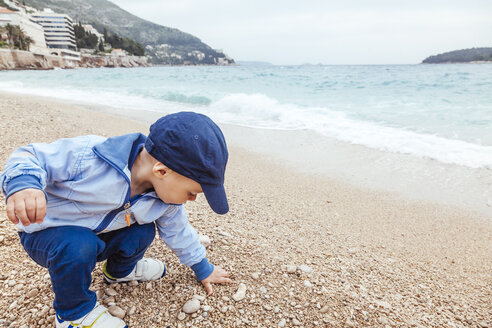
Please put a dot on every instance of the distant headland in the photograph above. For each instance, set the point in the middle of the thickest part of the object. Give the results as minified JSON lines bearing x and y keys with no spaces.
{"x":473,"y":55}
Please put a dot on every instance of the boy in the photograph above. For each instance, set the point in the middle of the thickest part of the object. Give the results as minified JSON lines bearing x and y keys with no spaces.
{"x":86,"y":199}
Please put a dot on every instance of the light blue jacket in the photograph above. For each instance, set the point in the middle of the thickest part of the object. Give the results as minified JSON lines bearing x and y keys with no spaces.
{"x":86,"y":181}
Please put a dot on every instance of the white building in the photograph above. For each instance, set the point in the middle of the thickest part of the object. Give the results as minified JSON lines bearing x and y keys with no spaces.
{"x":90,"y":29}
{"x":58,"y":33}
{"x":31,"y":29}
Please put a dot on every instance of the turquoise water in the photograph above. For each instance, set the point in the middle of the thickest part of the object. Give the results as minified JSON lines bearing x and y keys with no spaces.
{"x":443,"y":112}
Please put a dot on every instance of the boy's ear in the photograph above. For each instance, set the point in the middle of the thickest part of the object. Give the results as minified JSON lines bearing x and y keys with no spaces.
{"x":160,"y":170}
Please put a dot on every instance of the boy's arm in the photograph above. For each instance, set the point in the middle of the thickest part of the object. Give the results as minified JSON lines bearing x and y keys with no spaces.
{"x":175,"y":230}
{"x":182,"y":238}
{"x":32,"y":167}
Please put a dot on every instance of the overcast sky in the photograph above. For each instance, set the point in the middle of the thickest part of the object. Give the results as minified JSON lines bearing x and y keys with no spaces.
{"x":325,"y":31}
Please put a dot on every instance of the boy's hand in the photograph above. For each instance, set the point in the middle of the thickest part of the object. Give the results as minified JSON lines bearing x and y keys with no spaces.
{"x":218,"y":276}
{"x":28,"y":206}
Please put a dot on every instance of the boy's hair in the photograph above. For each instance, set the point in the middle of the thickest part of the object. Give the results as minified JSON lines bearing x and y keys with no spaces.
{"x":192,"y":145}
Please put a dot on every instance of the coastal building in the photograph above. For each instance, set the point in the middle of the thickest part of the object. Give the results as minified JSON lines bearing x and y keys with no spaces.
{"x":31,"y":29}
{"x":58,"y":33}
{"x":90,"y":29}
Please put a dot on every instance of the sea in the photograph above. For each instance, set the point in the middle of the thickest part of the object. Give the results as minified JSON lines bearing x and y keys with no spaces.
{"x":438,"y":112}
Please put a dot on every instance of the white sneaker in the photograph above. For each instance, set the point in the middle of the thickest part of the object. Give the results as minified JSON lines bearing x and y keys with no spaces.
{"x":99,"y":317}
{"x":145,"y":270}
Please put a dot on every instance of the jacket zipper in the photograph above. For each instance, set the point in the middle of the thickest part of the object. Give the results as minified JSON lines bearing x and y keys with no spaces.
{"x":126,"y":204}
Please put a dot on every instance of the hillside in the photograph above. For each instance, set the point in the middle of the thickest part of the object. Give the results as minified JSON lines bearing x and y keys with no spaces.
{"x":461,"y":56}
{"x":164,"y":44}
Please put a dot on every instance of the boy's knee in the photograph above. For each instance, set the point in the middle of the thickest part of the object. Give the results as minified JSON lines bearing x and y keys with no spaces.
{"x":80,"y":249}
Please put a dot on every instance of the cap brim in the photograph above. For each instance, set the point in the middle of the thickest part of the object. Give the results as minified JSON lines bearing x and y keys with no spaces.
{"x":216,"y":198}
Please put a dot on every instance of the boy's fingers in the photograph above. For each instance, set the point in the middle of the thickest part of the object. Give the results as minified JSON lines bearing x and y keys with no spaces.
{"x":40,"y":209}
{"x":208,"y":288}
{"x":20,"y":212}
{"x":30,"y":209}
{"x":11,"y":212}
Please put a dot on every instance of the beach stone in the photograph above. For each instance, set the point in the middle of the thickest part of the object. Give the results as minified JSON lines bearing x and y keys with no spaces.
{"x":133,"y":283}
{"x":267,"y":307}
{"x":324,"y":309}
{"x":13,"y":305}
{"x":307,"y":283}
{"x":111,"y":292}
{"x":204,"y":240}
{"x":240,"y":293}
{"x":33,"y":292}
{"x":484,"y":324}
{"x":349,"y":323}
{"x":383,"y":320}
{"x":290,"y":268}
{"x":2,"y":238}
{"x":11,"y":283}
{"x":191,"y":306}
{"x":207,"y":308}
{"x":383,"y":304}
{"x":255,"y":275}
{"x":148,"y":286}
{"x":305,"y":268}
{"x":132,"y":310}
{"x":200,"y":298}
{"x":282,"y":323}
{"x":353,"y":250}
{"x":117,"y":311}
{"x":296,"y":322}
{"x":181,"y":316}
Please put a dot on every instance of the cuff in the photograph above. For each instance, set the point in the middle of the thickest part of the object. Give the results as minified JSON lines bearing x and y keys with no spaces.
{"x":22,"y":182}
{"x":202,"y":269}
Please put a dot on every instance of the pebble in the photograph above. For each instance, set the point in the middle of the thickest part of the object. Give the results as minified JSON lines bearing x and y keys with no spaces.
{"x":305,"y":268}
{"x":296,"y":322}
{"x":111,"y":292}
{"x":207,"y":308}
{"x":240,"y":293}
{"x":13,"y":305}
{"x":255,"y":275}
{"x":11,"y":283}
{"x":117,"y":311}
{"x":484,"y":324}
{"x":200,"y":298}
{"x":32,"y":293}
{"x":349,"y":323}
{"x":2,"y":238}
{"x":282,"y":323}
{"x":290,"y":268}
{"x":263,"y":290}
{"x":324,"y":309}
{"x":383,"y":320}
{"x":191,"y":306}
{"x":181,"y":316}
{"x":383,"y":304}
{"x":132,"y":310}
{"x":148,"y":286}
{"x":133,"y":283}
{"x":353,"y":250}
{"x":308,"y":284}
{"x":109,"y":300}
{"x":205,"y":240}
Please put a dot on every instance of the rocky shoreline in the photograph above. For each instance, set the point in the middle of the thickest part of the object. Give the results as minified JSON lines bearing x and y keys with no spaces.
{"x":19,"y":60}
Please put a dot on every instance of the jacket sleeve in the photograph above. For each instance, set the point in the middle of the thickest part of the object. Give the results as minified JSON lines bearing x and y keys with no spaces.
{"x":182,"y":238}
{"x":39,"y":164}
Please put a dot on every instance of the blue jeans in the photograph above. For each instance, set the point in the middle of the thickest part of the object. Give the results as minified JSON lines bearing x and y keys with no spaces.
{"x":70,"y":254}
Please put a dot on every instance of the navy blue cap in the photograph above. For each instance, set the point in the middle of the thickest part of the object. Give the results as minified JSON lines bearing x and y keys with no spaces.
{"x":192,"y":145}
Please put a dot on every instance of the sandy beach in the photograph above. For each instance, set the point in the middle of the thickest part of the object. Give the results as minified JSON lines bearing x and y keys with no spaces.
{"x":312,"y":249}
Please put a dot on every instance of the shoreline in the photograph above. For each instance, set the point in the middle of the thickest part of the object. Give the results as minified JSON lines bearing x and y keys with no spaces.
{"x":401,"y":175}
{"x":375,"y":258}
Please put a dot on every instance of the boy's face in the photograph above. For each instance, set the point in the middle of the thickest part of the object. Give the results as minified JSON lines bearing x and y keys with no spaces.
{"x":174,"y":188}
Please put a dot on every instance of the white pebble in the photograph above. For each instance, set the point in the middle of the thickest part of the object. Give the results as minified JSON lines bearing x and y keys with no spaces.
{"x":240,"y":293}
{"x":181,"y":316}
{"x":307,"y":284}
{"x":200,"y":298}
{"x":305,"y":268}
{"x":111,"y":292}
{"x":191,"y":306}
{"x":282,"y":323}
{"x":117,"y":311}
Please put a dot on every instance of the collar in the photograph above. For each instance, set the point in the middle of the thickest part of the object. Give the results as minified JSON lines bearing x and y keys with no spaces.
{"x":121,"y":150}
